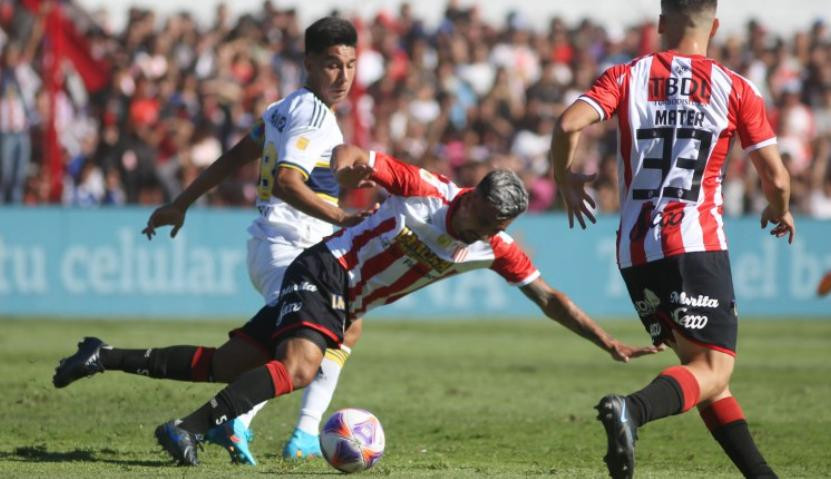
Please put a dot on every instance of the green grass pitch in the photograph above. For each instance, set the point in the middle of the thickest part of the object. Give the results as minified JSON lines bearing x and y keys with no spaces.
{"x":458,"y":399}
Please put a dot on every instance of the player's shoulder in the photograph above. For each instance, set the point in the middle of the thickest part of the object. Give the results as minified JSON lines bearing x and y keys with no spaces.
{"x":300,"y":109}
{"x":503,"y":243}
{"x":739,"y":83}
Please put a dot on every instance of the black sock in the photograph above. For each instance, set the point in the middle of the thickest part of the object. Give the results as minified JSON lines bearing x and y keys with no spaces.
{"x":168,"y":363}
{"x":250,"y":389}
{"x":737,"y":442}
{"x":661,"y":398}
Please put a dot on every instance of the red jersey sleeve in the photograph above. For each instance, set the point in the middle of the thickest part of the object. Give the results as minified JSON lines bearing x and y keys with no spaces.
{"x":511,"y":262}
{"x":403,"y":179}
{"x":751,"y":117}
{"x":607,"y":91}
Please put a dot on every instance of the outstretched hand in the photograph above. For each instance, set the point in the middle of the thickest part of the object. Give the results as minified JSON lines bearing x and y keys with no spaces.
{"x":355,"y":176}
{"x":168,"y":214}
{"x":623,"y":353}
{"x":783,"y":224}
{"x":577,"y":200}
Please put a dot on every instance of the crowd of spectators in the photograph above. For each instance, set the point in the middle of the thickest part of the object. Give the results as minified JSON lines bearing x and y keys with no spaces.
{"x":460,"y":98}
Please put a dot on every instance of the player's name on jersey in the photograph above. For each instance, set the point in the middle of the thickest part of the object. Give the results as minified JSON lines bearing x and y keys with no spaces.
{"x":680,"y":117}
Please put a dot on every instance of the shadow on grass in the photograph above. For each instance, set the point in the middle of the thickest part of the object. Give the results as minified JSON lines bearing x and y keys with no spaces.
{"x":39,"y":453}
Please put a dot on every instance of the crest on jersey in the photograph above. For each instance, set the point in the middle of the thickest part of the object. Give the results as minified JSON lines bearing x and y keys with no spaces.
{"x":302,"y":143}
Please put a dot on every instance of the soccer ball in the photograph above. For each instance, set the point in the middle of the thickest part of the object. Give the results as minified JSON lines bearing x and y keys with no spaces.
{"x":352,"y":440}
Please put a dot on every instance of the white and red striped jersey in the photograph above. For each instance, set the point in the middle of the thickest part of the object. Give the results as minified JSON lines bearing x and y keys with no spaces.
{"x":677,"y":115}
{"x":409,"y":243}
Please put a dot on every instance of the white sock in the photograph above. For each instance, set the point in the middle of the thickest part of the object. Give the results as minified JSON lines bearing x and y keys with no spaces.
{"x":249,"y":416}
{"x":318,"y":394}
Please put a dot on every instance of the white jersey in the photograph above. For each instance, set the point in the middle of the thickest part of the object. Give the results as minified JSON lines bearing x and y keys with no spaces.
{"x":300,"y":132}
{"x":409,"y":243}
{"x":677,"y":116}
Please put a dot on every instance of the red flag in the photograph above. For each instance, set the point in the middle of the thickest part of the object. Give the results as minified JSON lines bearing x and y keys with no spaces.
{"x":94,"y":72}
{"x":53,"y":82}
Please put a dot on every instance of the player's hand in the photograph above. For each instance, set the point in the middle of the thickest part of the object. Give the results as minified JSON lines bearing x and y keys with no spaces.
{"x":168,"y":214}
{"x":577,"y":201}
{"x":355,"y":218}
{"x":783,"y":224}
{"x":355,"y":176}
{"x":623,"y":353}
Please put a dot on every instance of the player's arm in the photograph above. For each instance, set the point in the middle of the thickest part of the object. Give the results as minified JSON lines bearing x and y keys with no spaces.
{"x":290,"y":186}
{"x":350,"y":165}
{"x":563,"y":146}
{"x":355,"y":167}
{"x":776,"y":184}
{"x":244,"y":151}
{"x":557,"y":306}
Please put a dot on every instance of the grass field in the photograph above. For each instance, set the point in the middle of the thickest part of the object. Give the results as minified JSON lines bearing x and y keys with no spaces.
{"x":458,"y":399}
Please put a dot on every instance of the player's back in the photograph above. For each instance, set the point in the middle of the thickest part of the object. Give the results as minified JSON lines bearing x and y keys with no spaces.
{"x":300,"y":133}
{"x":677,"y":116}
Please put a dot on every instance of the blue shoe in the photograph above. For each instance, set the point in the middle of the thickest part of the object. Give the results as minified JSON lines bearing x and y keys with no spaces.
{"x":233,"y":436}
{"x":621,"y":434}
{"x":302,"y":445}
{"x":179,"y":443}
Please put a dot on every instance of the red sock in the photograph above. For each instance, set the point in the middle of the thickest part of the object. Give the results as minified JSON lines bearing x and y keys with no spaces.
{"x":725,"y":420}
{"x":689,"y":385}
{"x":200,"y":363}
{"x":721,"y":413}
{"x":280,"y":378}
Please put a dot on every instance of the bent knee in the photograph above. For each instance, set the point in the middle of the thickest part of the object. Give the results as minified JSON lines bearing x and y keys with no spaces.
{"x":302,"y":376}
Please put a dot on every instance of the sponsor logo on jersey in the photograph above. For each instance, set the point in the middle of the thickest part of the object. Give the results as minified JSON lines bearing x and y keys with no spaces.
{"x":655,"y":330}
{"x":288,"y":308}
{"x":689,"y":321}
{"x":278,"y":121}
{"x":646,"y":221}
{"x":413,"y":247}
{"x":292,"y":288}
{"x":699,"y":301}
{"x":338,"y":303}
{"x":649,"y":304}
{"x":671,"y":86}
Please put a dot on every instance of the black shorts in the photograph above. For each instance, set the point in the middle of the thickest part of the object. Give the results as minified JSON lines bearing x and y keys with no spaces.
{"x":691,"y":293}
{"x":312,"y":304}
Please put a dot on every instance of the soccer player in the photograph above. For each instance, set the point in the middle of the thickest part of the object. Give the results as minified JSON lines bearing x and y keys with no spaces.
{"x":427,"y":230}
{"x":297,"y":199}
{"x":678,"y":112}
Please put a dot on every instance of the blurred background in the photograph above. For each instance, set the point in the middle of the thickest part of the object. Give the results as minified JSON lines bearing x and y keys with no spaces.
{"x":111,"y":103}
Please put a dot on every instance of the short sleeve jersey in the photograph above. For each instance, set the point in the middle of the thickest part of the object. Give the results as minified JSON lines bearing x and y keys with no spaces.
{"x":409,"y":243}
{"x":677,"y":116}
{"x":300,"y":132}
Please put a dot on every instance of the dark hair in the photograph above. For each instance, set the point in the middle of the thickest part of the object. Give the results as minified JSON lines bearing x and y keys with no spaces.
{"x":328,"y":32}
{"x":503,"y":190}
{"x":688,"y":6}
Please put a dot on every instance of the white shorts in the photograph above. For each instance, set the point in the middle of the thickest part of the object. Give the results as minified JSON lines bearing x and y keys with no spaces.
{"x":267,"y":263}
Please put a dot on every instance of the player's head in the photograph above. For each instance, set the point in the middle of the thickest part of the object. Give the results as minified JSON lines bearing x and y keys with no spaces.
{"x":686,"y":18}
{"x":495,"y":202}
{"x":330,"y":58}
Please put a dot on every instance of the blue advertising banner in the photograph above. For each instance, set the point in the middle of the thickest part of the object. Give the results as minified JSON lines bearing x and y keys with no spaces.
{"x":95,"y":263}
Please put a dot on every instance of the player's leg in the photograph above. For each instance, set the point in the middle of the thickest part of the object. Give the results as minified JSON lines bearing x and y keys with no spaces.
{"x":267,"y":263}
{"x":719,"y":410}
{"x":294,"y":365}
{"x":183,"y":363}
{"x":304,"y":442}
